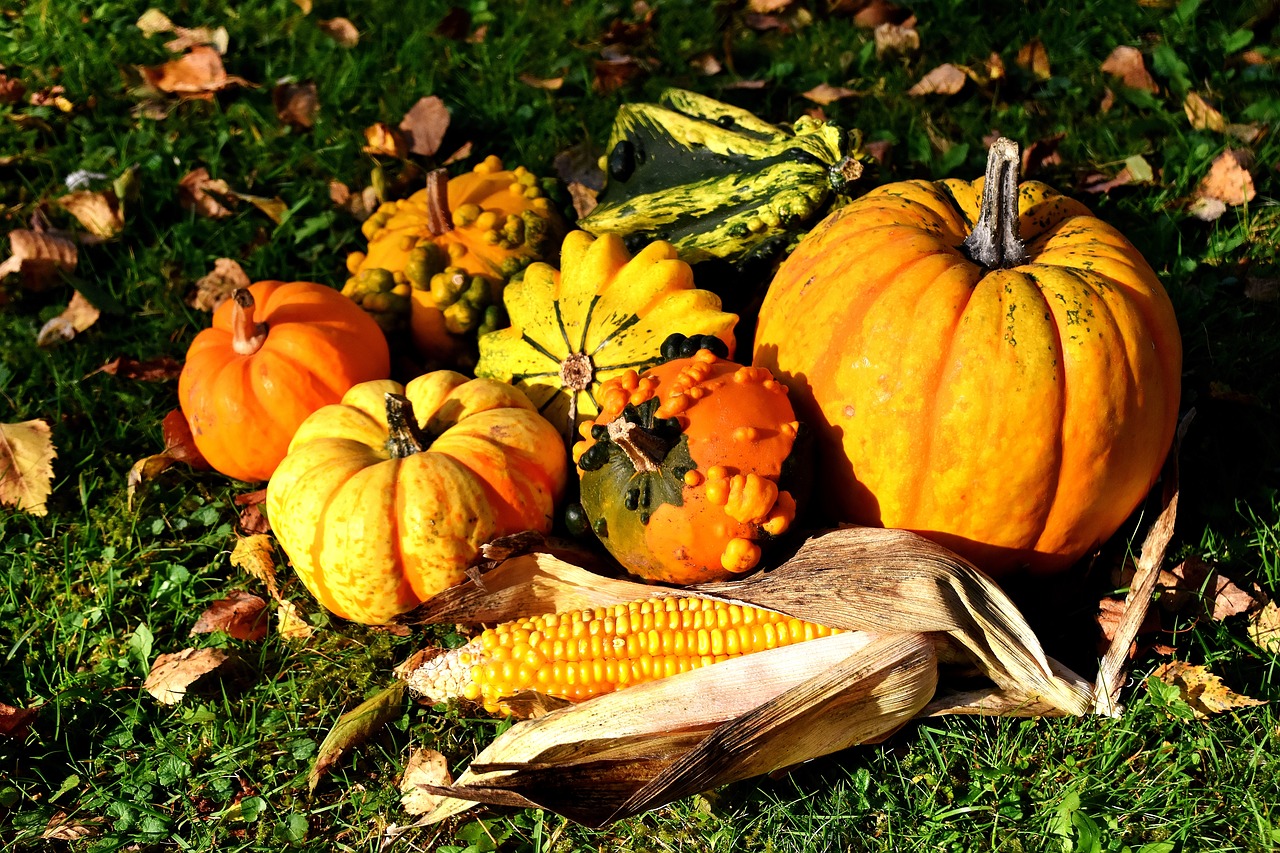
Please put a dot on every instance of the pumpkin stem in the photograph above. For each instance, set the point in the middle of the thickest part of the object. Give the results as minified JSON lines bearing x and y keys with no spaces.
{"x":247,"y":337}
{"x":439,"y":219}
{"x":994,"y":241}
{"x":645,"y":450}
{"x":406,"y":437}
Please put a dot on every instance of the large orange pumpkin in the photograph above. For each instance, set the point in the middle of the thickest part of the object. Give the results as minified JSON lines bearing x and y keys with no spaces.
{"x":1012,"y":401}
{"x":386,"y":498}
{"x":276,"y":352}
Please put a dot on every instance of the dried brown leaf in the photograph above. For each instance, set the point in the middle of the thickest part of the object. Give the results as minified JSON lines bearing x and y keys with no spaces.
{"x":38,"y":257}
{"x":256,"y":555}
{"x":1136,"y":171}
{"x":154,"y":21}
{"x":463,"y":152}
{"x":252,"y":521}
{"x":825,"y":93}
{"x":425,"y":125}
{"x":304,"y":5}
{"x":870,"y":13}
{"x":1201,"y":115}
{"x":144,"y":471}
{"x":64,"y":827}
{"x":879,"y":150}
{"x":706,"y":64}
{"x":341,"y":31}
{"x":160,"y":369}
{"x":274,"y":208}
{"x":768,"y":7}
{"x":198,"y":74}
{"x":611,"y":74}
{"x":552,"y":84}
{"x":291,"y":625}
{"x":1228,"y":179}
{"x":296,"y":104}
{"x":98,"y":212}
{"x":215,"y":37}
{"x":455,"y":25}
{"x":213,"y":289}
{"x":1230,"y":600}
{"x":425,"y":767}
{"x":893,"y":39}
{"x":383,"y":139}
{"x":199,"y":192}
{"x":1261,"y":289}
{"x":584,"y":198}
{"x":26,"y":466}
{"x":1033,"y":58}
{"x":946,"y":79}
{"x":180,"y":447}
{"x":1201,"y":689}
{"x":1042,"y":154}
{"x":172,"y":675}
{"x":355,"y":727}
{"x":1264,"y":628}
{"x":1126,"y":63}
{"x":14,"y":722}
{"x":1108,"y":101}
{"x":11,"y":90}
{"x":78,"y":316}
{"x":242,"y":615}
{"x":994,"y":67}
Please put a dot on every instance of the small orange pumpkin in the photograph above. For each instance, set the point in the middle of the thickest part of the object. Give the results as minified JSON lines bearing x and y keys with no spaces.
{"x":444,"y":255}
{"x":276,"y":352}
{"x":692,"y":466}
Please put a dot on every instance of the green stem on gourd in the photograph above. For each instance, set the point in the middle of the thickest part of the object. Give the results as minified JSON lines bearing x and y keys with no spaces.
{"x":439,"y":219}
{"x":247,"y":337}
{"x":644,"y":449}
{"x":405,"y":437}
{"x":994,"y":241}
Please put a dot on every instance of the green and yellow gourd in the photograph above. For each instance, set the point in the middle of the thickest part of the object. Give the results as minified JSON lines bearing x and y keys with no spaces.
{"x":714,"y":180}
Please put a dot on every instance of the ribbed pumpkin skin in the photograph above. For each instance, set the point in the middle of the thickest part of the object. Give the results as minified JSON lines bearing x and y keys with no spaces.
{"x":1017,"y":416}
{"x":243,"y":409}
{"x":372,"y":536}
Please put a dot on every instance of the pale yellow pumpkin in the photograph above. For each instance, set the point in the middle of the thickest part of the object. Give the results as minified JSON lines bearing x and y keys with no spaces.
{"x":384,"y":499}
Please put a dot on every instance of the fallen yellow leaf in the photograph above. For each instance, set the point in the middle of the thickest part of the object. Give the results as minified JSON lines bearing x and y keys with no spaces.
{"x":1201,"y":689}
{"x":1264,"y":628}
{"x":98,"y":212}
{"x":172,"y":675}
{"x":79,"y":315}
{"x":425,"y":767}
{"x":256,"y":555}
{"x":946,"y":79}
{"x":26,"y":466}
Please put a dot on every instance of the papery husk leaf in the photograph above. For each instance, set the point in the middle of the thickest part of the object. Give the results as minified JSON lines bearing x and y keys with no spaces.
{"x":888,"y":581}
{"x":874,"y":685}
{"x":528,"y":585}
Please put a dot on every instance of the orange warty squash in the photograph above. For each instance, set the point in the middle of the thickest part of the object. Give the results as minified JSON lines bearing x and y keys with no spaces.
{"x":443,"y":256}
{"x":692,"y":467}
{"x":1013,"y":401}
{"x":276,"y":352}
{"x":386,"y":498}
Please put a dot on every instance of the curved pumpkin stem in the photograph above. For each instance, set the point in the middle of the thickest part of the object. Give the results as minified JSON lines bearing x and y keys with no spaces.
{"x":439,"y":219}
{"x":994,"y":242}
{"x":406,"y":437}
{"x":247,"y":337}
{"x":644,"y":449}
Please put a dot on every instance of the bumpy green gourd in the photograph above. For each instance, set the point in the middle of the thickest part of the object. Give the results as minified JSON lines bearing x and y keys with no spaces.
{"x":714,"y":180}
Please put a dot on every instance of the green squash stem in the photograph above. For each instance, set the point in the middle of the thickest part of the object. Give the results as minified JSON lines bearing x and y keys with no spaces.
{"x":994,"y":242}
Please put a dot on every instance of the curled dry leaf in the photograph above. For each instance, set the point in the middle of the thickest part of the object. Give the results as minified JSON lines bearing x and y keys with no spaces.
{"x":98,"y":212}
{"x":256,"y":555}
{"x":64,"y":827}
{"x":1033,"y":58}
{"x":1228,"y":179}
{"x":1264,"y":628}
{"x":38,"y":257}
{"x":1201,"y":115}
{"x":172,"y":675}
{"x":341,"y":31}
{"x":825,"y":93}
{"x":382,"y":138}
{"x":1201,"y":689}
{"x":198,"y":74}
{"x":425,"y":125}
{"x":1042,"y":154}
{"x":154,"y":21}
{"x":1126,"y":63}
{"x":425,"y":767}
{"x":1136,"y":171}
{"x":241,"y":615}
{"x":213,"y":289}
{"x":552,"y":84}
{"x":14,"y":722}
{"x":11,"y":90}
{"x":304,"y":5}
{"x":361,"y":205}
{"x":946,"y":79}
{"x":198,"y":192}
{"x":612,"y":72}
{"x":1111,"y":612}
{"x":290,"y":624}
{"x":179,"y":446}
{"x":706,"y":64}
{"x":26,"y":466}
{"x":893,"y":38}
{"x":584,"y":198}
{"x":274,"y":208}
{"x":355,"y":727}
{"x":252,"y":521}
{"x":79,"y":315}
{"x":215,"y":37}
{"x":296,"y":104}
{"x":162,"y":369}
{"x":768,"y":7}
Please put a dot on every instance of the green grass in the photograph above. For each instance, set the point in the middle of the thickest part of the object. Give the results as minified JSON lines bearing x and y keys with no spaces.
{"x":93,"y":592}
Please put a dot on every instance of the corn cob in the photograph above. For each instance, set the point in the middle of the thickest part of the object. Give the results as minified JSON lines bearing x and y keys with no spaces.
{"x":585,"y":653}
